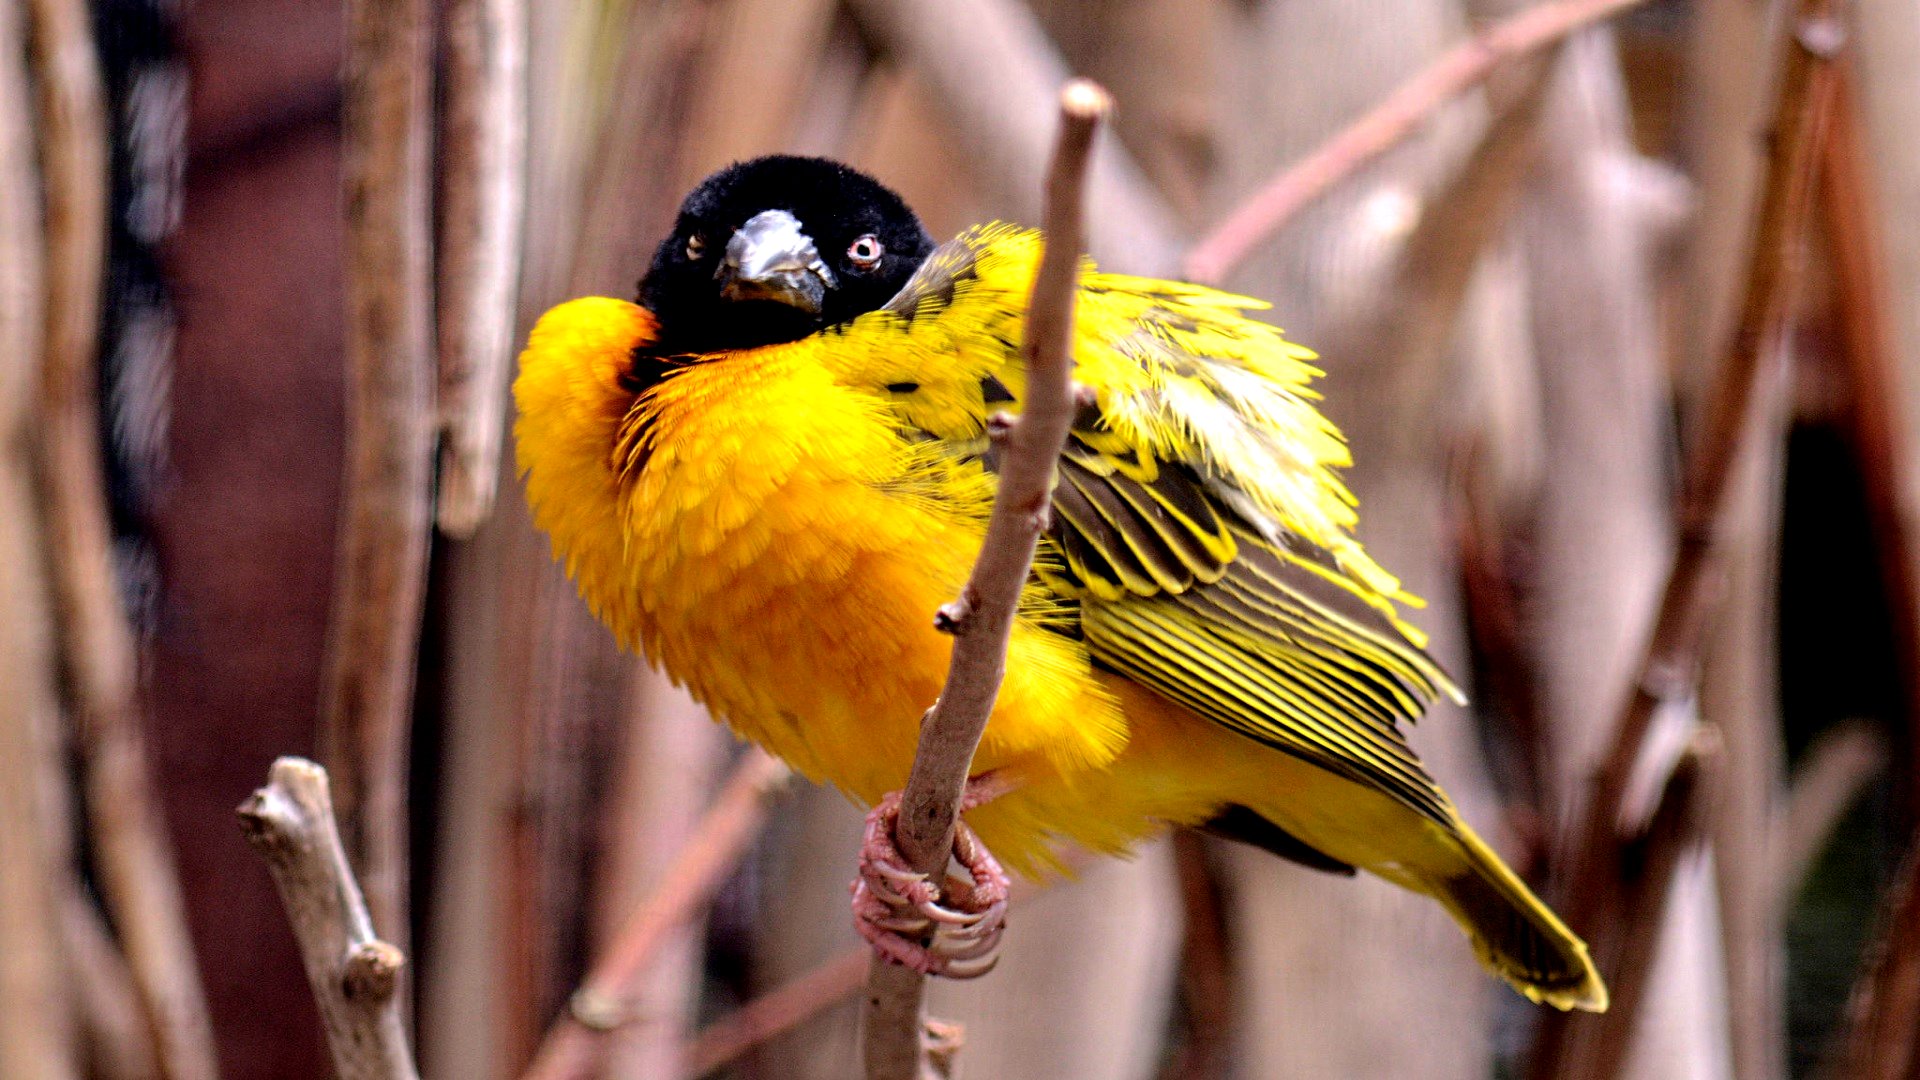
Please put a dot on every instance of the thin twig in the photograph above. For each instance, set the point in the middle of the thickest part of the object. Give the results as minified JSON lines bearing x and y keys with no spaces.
{"x":373,"y":630}
{"x":110,"y":1021}
{"x":354,"y":975}
{"x":572,"y":1047}
{"x":1748,"y":378}
{"x":1386,"y":125}
{"x":991,"y":66}
{"x":483,"y":172}
{"x":778,"y":1011}
{"x":1833,"y":773}
{"x":36,"y":1031}
{"x":982,"y":617}
{"x":1675,"y":828}
{"x":1206,"y":964}
{"x":1882,"y":1038}
{"x":141,"y":886}
{"x":1875,"y":422}
{"x":793,"y":1003}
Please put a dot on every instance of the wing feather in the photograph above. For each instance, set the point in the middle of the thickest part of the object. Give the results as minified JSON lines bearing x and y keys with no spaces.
{"x":1199,"y":524}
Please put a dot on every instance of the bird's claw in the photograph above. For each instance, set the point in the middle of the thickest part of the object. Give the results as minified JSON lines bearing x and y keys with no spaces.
{"x":953,"y":932}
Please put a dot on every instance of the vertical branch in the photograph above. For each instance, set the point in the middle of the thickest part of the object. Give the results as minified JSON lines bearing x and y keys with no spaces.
{"x":483,"y":147}
{"x":380,"y":580}
{"x":98,"y":653}
{"x":1874,"y":415}
{"x":354,"y":975}
{"x":990,"y":90}
{"x":982,"y":617}
{"x":35,"y":1028}
{"x":1747,"y":379}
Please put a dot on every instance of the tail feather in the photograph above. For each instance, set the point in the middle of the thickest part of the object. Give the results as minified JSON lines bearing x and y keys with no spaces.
{"x":1514,"y":934}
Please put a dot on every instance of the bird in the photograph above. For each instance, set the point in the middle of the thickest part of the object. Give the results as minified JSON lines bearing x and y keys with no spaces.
{"x":769,"y":470}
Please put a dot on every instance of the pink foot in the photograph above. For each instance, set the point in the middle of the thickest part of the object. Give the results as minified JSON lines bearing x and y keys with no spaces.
{"x":910,"y":921}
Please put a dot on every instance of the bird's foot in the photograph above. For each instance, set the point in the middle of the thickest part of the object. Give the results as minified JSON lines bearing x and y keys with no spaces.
{"x":953,"y":931}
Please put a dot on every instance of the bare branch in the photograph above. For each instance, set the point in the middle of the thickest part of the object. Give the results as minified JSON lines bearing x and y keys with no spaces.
{"x":354,"y":975}
{"x":793,"y":1003}
{"x":130,"y":843}
{"x":1749,"y":377}
{"x":991,"y":66}
{"x":483,"y":172}
{"x":951,"y":731}
{"x":1882,"y":1040}
{"x":111,"y":1024}
{"x":1855,"y":228}
{"x":1833,"y":773}
{"x":778,"y":1011}
{"x":36,"y":1031}
{"x":1387,"y":124}
{"x":366,"y":700}
{"x":572,"y":1047}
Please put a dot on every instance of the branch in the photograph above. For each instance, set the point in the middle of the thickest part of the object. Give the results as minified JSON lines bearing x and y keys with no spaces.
{"x":793,"y":1003}
{"x":483,"y":148}
{"x":373,"y":630}
{"x":982,"y":618}
{"x":1386,"y":125}
{"x":778,"y":1011}
{"x":35,"y":1033}
{"x":572,"y":1047}
{"x":1750,"y":376}
{"x":1674,"y":829}
{"x":1875,"y":419}
{"x":1881,"y":1041}
{"x":354,"y":975}
{"x":1833,"y":773}
{"x":137,"y":873}
{"x":991,"y":66}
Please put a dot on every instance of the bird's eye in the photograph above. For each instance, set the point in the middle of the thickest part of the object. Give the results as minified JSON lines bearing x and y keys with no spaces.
{"x":696,"y":246}
{"x":866,"y":251}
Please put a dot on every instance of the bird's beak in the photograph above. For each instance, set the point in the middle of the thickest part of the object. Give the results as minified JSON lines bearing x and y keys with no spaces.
{"x":770,"y":258}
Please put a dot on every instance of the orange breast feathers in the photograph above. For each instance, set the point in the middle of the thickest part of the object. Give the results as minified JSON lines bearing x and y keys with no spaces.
{"x":771,"y":539}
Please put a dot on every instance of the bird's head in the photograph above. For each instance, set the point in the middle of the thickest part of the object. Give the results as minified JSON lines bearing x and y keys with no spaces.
{"x":774,"y":249}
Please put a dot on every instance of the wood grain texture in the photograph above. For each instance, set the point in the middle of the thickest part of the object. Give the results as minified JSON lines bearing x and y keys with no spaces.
{"x":366,"y":702}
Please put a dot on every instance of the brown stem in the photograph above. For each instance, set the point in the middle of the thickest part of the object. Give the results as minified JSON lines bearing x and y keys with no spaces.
{"x":374,"y":627}
{"x":990,"y":66}
{"x":1882,"y":1040}
{"x":1874,"y":420}
{"x":111,"y":1022}
{"x":1206,"y":963}
{"x":1833,"y":773}
{"x":354,"y":975}
{"x":1747,"y":380}
{"x":793,"y":1003}
{"x":949,"y":734}
{"x":483,"y":170}
{"x":778,"y":1011}
{"x":1674,"y":829}
{"x":130,"y":844}
{"x":1403,"y":112}
{"x":572,"y":1047}
{"x":35,"y":1018}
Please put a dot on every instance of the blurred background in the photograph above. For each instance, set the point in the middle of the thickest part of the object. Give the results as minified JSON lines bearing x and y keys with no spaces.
{"x":262,"y":267}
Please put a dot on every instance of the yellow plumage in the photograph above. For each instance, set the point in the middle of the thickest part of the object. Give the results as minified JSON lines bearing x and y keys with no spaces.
{"x":775,"y":527}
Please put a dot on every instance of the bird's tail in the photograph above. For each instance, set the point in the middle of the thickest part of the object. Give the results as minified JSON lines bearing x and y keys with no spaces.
{"x":1514,"y":934}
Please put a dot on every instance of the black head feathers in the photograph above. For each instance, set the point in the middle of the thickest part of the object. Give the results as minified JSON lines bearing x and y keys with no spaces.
{"x":774,"y":249}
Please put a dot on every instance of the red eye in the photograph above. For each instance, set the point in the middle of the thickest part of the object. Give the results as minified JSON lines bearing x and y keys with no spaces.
{"x":866,"y":251}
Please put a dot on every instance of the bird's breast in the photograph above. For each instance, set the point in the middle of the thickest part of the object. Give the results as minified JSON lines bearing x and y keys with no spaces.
{"x":777,"y":575}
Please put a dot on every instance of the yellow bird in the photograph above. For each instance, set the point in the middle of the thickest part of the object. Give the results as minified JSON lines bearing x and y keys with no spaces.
{"x":770,"y":473}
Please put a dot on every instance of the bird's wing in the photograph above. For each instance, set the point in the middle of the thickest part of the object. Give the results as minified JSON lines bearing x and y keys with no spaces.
{"x":1198,"y":522}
